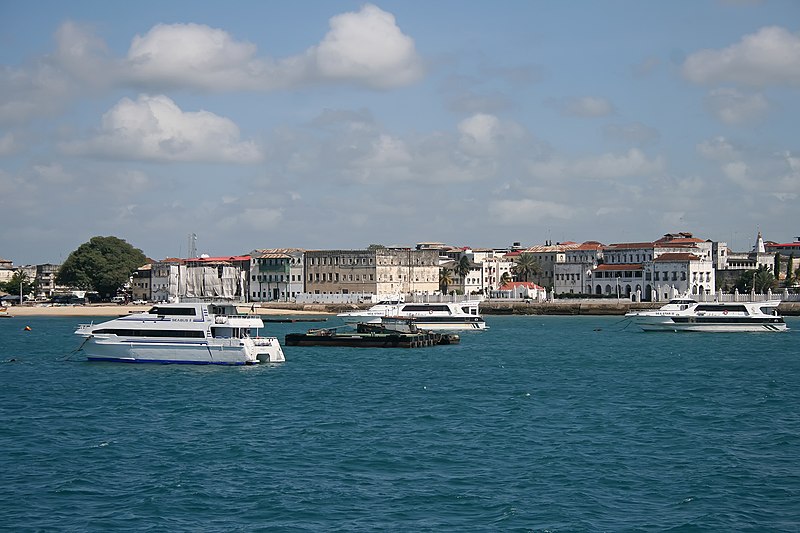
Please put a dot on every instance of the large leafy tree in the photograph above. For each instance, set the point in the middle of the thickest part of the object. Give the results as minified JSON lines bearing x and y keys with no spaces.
{"x":527,"y":267}
{"x":103,"y":264}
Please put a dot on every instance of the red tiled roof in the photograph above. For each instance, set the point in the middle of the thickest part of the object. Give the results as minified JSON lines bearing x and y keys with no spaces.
{"x":589,"y":245}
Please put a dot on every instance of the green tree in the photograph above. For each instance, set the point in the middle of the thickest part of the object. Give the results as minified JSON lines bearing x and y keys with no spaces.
{"x":373,"y":247}
{"x":445,"y":279}
{"x":761,"y":278}
{"x":527,"y":267}
{"x":103,"y":264}
{"x":19,"y":281}
{"x":505,"y":279}
{"x":777,"y":268}
{"x":790,"y":270}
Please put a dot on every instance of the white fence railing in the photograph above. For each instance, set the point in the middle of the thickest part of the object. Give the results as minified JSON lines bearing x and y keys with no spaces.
{"x":361,"y":298}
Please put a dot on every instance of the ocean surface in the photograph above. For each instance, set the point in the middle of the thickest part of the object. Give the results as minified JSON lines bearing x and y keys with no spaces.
{"x":537,"y":424}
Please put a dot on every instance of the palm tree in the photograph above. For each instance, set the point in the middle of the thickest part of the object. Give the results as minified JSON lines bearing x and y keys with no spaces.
{"x":756,"y":280}
{"x":445,"y":279}
{"x":463,"y":267}
{"x":527,"y":267}
{"x":505,"y":279}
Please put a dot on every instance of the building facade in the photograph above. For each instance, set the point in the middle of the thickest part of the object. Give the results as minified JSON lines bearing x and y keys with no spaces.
{"x":380,"y":271}
{"x":276,"y":274}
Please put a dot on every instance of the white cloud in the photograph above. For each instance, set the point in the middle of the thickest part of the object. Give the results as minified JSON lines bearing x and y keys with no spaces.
{"x":718,"y":149}
{"x":634,"y":163}
{"x":194,"y":55}
{"x":53,"y":174}
{"x":588,"y":106}
{"x":734,"y":107}
{"x":155,"y":128}
{"x":771,"y":56}
{"x":738,"y":172}
{"x":8,"y":144}
{"x":366,"y":47}
{"x":527,"y":211}
{"x":484,"y":135}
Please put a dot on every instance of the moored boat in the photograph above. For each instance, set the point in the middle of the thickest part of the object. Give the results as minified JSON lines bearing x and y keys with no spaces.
{"x":194,"y":333}
{"x":686,"y":314}
{"x":429,"y":316}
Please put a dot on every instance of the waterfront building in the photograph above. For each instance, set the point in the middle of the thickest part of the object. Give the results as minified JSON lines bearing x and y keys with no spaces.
{"x":378,"y":271}
{"x":520,"y":290}
{"x":548,"y":256}
{"x":45,"y":281}
{"x":574,"y":275}
{"x":785,"y":249}
{"x":6,"y":270}
{"x":141,"y":282}
{"x":276,"y":274}
{"x":634,"y":269}
{"x":201,"y":277}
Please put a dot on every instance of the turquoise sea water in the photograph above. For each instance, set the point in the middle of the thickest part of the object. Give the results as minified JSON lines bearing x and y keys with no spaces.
{"x":538,"y":424}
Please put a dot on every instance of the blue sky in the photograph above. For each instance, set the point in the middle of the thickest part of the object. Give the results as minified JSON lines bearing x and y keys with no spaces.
{"x":340,"y":124}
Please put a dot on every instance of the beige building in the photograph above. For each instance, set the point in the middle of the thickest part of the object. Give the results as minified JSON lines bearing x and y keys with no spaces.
{"x":377,"y":271}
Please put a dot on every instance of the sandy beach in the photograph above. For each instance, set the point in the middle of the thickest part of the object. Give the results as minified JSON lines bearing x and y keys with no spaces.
{"x":116,"y":310}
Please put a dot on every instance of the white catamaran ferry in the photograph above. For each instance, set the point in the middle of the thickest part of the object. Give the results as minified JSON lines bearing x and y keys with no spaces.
{"x":445,"y":316}
{"x":686,"y":314}
{"x":194,"y":333}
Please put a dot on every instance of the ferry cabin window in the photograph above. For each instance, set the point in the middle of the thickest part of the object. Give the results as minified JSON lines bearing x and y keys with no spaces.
{"x":152,"y":332}
{"x":425,"y":308}
{"x":172,"y":311}
{"x":730,"y":308}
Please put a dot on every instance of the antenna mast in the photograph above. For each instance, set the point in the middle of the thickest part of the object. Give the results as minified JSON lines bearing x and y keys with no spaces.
{"x":192,"y":245}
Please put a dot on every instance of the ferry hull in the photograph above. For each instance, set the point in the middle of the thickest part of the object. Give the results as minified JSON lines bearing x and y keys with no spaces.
{"x":710,"y":327}
{"x":420,"y":323}
{"x":142,"y":350}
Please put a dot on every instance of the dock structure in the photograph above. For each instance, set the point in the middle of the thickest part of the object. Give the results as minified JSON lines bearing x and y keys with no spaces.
{"x":372,"y":339}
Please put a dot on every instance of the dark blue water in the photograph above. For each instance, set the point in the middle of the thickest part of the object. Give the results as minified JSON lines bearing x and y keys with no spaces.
{"x":540,"y":423}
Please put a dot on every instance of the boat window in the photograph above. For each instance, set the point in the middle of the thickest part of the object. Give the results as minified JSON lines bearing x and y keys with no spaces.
{"x":151,"y":332}
{"x":425,"y":308}
{"x":172,"y":311}
{"x":725,"y":308}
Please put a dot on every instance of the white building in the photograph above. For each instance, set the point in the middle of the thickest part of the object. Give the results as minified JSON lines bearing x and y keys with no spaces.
{"x":574,"y":274}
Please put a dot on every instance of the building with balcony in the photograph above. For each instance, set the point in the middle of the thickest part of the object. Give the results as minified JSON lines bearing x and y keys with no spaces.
{"x":276,"y":274}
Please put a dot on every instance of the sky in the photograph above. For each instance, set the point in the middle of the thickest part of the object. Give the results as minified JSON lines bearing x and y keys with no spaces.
{"x":336,"y":124}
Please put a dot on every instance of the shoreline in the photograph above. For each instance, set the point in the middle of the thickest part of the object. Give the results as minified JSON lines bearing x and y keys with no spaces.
{"x":113,"y":310}
{"x":562,"y":307}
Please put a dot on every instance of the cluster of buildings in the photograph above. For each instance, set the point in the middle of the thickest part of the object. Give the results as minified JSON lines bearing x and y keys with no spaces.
{"x":650,"y":271}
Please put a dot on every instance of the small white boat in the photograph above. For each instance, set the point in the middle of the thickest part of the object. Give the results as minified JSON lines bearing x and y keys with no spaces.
{"x":686,"y":314}
{"x":195,"y":333}
{"x":445,"y":316}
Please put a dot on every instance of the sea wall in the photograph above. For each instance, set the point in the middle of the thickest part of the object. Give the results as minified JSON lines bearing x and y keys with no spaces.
{"x":497,"y":307}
